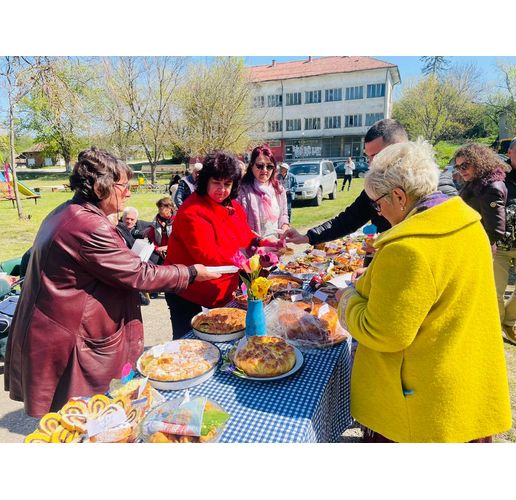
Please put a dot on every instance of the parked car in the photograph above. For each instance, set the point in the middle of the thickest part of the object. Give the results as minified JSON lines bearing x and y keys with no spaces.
{"x":361,"y":167}
{"x":314,"y":180}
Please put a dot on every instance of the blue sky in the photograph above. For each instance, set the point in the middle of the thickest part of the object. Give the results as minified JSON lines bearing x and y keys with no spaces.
{"x":409,"y":66}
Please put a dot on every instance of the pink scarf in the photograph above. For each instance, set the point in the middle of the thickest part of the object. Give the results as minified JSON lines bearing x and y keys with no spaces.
{"x":266,"y":201}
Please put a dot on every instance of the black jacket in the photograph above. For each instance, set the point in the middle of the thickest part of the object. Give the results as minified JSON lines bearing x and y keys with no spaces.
{"x":510,"y":183}
{"x":360,"y":212}
{"x":488,"y":196}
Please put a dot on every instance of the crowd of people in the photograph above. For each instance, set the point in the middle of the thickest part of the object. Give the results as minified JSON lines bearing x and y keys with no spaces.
{"x":433,"y":289}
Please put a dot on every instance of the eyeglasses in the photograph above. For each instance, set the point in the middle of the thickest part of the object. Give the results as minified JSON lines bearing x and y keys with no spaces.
{"x":374,"y":203}
{"x":463,"y":166}
{"x":262,"y":166}
{"x":125,"y":187}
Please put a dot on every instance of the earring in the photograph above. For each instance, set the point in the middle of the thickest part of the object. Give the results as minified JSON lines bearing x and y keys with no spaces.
{"x":402,"y":209}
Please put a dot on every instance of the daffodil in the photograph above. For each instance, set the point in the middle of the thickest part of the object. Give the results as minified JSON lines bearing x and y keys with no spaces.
{"x":260,"y":287}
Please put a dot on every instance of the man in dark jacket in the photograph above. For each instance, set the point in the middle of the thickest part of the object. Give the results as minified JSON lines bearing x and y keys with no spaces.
{"x":187,"y":185}
{"x":506,"y":252}
{"x":382,"y":134}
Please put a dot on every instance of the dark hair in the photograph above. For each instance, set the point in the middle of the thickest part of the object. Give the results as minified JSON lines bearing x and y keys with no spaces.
{"x":248,"y":177}
{"x":175,"y":179}
{"x":219,"y":165}
{"x":391,"y":131}
{"x":483,"y":159}
{"x":165,"y":202}
{"x":97,"y":168}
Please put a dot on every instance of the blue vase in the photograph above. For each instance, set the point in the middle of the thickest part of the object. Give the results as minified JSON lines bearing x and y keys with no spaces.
{"x":255,"y":318}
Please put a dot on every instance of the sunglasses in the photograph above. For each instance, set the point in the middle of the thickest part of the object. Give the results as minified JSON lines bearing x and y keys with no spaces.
{"x":262,"y":166}
{"x":374,"y":203}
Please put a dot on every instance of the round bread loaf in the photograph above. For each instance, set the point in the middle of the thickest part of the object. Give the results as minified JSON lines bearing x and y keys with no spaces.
{"x":265,"y":357}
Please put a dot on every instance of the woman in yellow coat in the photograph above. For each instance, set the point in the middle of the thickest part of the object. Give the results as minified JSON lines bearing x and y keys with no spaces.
{"x":430,"y":364}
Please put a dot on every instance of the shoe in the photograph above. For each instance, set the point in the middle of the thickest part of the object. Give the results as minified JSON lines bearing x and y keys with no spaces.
{"x":144,"y":299}
{"x":510,"y":333}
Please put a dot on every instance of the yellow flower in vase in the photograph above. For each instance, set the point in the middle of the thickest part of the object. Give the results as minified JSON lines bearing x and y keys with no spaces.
{"x":259,"y":288}
{"x":254,"y":263}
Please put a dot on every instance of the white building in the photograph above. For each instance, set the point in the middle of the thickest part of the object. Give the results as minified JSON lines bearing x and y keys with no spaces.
{"x":321,"y":108}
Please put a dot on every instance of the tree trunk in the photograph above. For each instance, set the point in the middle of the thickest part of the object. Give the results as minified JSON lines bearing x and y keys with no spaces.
{"x":13,"y":160}
{"x":67,"y":166}
{"x":153,"y":173}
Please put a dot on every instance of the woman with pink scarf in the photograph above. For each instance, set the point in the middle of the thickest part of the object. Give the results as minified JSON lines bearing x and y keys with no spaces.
{"x":262,"y":196}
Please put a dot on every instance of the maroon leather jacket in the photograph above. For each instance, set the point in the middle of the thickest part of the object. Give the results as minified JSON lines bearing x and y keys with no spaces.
{"x":78,"y":320}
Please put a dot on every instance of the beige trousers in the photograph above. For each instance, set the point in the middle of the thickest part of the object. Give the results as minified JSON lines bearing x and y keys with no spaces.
{"x":502,"y":263}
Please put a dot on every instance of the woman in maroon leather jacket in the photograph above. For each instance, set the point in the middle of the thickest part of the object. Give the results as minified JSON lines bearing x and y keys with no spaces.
{"x":78,"y":320}
{"x":484,"y":188}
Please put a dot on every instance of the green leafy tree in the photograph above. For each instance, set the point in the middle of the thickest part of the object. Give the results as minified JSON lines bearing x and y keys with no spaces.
{"x":59,"y":110}
{"x":215,"y":106}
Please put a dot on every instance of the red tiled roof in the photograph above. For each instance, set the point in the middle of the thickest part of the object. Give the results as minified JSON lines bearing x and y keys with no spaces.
{"x":314,"y":67}
{"x":36,"y":148}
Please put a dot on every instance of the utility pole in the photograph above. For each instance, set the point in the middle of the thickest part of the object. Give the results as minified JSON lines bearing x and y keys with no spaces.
{"x":13,"y":159}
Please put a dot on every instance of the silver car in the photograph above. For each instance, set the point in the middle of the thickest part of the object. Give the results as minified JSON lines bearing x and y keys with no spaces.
{"x":314,"y":180}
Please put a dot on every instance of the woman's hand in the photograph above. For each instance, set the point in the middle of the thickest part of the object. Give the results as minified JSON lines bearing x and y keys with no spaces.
{"x":293,"y":236}
{"x":204,"y":275}
{"x":357,"y":273}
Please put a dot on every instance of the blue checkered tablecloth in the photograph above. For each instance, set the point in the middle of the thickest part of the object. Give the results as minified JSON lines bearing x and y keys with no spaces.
{"x":310,"y":406}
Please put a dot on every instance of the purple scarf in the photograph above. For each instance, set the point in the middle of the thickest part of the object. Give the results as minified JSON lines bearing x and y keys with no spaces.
{"x":266,"y":202}
{"x":429,"y":201}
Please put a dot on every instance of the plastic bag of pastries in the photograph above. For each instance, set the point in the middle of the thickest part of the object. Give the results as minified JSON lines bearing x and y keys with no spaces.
{"x":305,"y":324}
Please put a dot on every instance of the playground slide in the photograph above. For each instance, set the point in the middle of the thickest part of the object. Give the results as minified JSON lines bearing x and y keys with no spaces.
{"x":23,"y":189}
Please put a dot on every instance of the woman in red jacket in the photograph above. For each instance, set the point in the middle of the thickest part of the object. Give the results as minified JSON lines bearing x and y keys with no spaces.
{"x":210,"y":227}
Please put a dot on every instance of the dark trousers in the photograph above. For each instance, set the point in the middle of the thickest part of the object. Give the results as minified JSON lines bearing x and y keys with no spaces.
{"x":289,"y":207}
{"x":181,"y":313}
{"x":347,"y":178}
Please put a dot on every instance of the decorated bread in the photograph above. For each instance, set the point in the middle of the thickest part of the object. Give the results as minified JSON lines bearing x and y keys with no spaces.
{"x":241,"y":300}
{"x":265,"y":356}
{"x":222,"y":320}
{"x":191,"y":359}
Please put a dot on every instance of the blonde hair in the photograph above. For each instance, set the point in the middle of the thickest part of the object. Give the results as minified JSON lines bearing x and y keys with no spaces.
{"x":407,"y":165}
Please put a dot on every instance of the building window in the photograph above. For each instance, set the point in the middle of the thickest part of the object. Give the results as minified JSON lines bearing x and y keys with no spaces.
{"x":371,"y":118}
{"x":354,"y":93}
{"x":333,"y":95}
{"x":274,"y":126}
{"x":312,"y":123}
{"x":293,"y":98}
{"x":259,"y":101}
{"x":332,"y":122}
{"x":274,"y":101}
{"x":353,"y":121}
{"x":376,"y":90}
{"x":312,"y":96}
{"x":293,"y":125}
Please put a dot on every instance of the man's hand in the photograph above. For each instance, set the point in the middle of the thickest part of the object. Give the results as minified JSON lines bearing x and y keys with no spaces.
{"x":204,"y":275}
{"x":293,"y":236}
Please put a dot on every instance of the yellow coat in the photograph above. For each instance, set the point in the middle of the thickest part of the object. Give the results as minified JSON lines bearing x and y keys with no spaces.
{"x":430,"y":364}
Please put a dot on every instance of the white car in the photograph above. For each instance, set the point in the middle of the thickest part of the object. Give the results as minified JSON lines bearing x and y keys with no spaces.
{"x":314,"y":180}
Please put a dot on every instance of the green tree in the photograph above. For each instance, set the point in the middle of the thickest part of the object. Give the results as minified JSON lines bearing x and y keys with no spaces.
{"x":215,"y":106}
{"x":59,"y":110}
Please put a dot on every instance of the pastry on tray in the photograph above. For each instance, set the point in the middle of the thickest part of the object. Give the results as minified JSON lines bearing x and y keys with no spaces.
{"x":192,"y":359}
{"x":223,"y":320}
{"x":279,"y":283}
{"x":265,"y":356}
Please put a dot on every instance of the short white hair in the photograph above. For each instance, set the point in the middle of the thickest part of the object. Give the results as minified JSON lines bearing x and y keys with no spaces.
{"x":128,"y":210}
{"x":197,"y":167}
{"x":407,"y":165}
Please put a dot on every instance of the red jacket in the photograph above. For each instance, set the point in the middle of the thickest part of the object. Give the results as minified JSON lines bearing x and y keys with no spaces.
{"x":208,"y":233}
{"x":78,"y":319}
